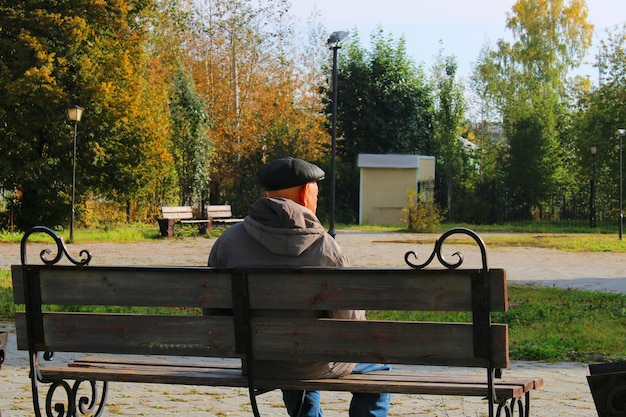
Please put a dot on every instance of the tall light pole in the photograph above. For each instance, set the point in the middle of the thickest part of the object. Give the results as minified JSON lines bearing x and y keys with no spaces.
{"x":620,"y":133}
{"x":74,"y":114}
{"x":333,"y":43}
{"x":592,"y":195}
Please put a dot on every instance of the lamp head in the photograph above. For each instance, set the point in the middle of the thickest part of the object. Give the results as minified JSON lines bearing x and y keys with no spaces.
{"x":620,"y":132}
{"x":336,"y":37}
{"x":75,"y":113}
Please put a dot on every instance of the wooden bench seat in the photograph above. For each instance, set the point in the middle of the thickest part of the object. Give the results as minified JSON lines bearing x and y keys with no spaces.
{"x":219,"y":343}
{"x":228,"y":374}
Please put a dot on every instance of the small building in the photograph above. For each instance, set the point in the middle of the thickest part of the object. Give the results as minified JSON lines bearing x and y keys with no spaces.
{"x":385,"y":181}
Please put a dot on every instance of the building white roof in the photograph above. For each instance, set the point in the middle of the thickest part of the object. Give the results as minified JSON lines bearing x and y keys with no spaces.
{"x":366,"y":160}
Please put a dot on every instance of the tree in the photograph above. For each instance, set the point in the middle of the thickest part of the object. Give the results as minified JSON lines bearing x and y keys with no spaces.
{"x":527,"y":82}
{"x":190,"y":142}
{"x":245,"y":64}
{"x":58,"y":54}
{"x":600,"y":112}
{"x":34,"y":96}
{"x":449,"y":103}
{"x":384,"y":106}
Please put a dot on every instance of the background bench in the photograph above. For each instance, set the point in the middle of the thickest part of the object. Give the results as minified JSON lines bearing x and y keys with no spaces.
{"x":220,"y":214}
{"x":184,"y":215}
{"x":244,"y":335}
{"x":174,"y":214}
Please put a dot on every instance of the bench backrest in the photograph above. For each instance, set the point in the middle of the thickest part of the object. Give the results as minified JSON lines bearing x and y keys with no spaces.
{"x":178,"y":212}
{"x":219,"y":211}
{"x":250,"y":294}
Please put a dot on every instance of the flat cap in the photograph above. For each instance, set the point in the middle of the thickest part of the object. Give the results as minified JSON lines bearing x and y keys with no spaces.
{"x":289,"y":172}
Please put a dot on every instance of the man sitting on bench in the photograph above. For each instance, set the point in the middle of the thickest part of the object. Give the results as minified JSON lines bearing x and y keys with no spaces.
{"x":283,"y":230}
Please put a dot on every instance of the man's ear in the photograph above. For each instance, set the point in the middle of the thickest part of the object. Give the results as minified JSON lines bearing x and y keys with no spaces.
{"x":303,"y":192}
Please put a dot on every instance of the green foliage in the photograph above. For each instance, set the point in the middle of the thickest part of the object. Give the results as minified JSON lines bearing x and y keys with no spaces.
{"x":190,"y":142}
{"x":527,"y":177}
{"x":600,"y":112}
{"x":384,"y":101}
{"x":7,"y":307}
{"x":525,"y":81}
{"x":454,"y":167}
{"x":421,"y":215}
{"x":384,"y":106}
{"x":56,"y":55}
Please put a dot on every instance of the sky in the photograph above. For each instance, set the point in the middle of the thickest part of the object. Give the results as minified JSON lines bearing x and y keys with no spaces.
{"x":460,"y":27}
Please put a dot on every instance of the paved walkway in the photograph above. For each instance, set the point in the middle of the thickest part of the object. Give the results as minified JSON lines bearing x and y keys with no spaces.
{"x":566,"y":392}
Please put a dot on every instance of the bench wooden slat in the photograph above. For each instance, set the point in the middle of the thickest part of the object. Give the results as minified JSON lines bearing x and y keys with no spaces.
{"x":211,"y":364}
{"x":373,"y":342}
{"x":216,"y":211}
{"x":217,"y":377}
{"x":314,"y":289}
{"x":133,"y":334}
{"x":399,"y":289}
{"x":180,"y":212}
{"x":129,"y":362}
{"x":382,"y":381}
{"x":114,"y":286}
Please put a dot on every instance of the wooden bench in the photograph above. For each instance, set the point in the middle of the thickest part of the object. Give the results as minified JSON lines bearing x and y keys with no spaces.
{"x":245,"y":335}
{"x":220,"y":214}
{"x":184,"y":215}
{"x":178,"y":214}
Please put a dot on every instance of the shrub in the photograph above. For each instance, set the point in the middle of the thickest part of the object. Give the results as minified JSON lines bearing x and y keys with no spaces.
{"x":421,"y":214}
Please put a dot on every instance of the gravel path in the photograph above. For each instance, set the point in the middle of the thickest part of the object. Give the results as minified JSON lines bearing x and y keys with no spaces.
{"x":566,"y":392}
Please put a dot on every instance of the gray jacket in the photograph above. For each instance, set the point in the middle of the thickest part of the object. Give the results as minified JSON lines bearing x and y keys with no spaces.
{"x":281,"y":232}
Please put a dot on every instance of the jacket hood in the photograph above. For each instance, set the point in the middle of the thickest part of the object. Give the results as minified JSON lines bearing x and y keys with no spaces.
{"x":283,"y":226}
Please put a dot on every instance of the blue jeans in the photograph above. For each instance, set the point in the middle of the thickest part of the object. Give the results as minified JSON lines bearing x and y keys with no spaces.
{"x":362,"y":404}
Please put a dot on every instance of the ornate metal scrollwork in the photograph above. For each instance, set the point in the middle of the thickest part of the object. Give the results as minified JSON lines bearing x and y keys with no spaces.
{"x":61,"y":249}
{"x":85,"y":405}
{"x":437,"y":251}
{"x":60,"y":409}
{"x":65,"y":400}
{"x":508,"y":409}
{"x":72,"y":404}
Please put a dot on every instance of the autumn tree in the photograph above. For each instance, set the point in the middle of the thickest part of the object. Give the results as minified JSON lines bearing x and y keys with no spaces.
{"x":36,"y":78}
{"x":245,"y":63}
{"x":56,"y":55}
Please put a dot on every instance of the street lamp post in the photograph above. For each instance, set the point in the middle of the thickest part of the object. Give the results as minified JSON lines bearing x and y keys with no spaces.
{"x":74,"y":114}
{"x":592,"y":196}
{"x":333,"y":43}
{"x":620,"y":133}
